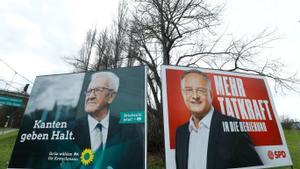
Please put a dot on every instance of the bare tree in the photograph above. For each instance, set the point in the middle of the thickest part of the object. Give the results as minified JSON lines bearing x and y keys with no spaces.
{"x":103,"y":47}
{"x":162,"y":28}
{"x":81,"y":61}
{"x":287,"y":122}
{"x":111,"y":46}
{"x":183,"y":33}
{"x":119,"y":35}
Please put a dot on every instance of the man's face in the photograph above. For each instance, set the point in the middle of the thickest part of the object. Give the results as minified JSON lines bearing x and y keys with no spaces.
{"x":99,"y":95}
{"x":196,"y":94}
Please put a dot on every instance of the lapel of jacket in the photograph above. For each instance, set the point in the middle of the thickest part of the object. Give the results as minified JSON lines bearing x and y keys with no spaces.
{"x":113,"y":138}
{"x":82,"y":132}
{"x":213,"y":141}
{"x":186,"y":140}
{"x":113,"y":129}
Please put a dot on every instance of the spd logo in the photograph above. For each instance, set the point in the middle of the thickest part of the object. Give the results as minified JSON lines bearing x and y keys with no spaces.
{"x":271,"y":155}
{"x":276,"y":154}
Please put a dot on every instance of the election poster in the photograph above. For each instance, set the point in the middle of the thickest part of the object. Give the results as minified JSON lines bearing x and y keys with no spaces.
{"x":84,"y":121}
{"x":219,"y":119}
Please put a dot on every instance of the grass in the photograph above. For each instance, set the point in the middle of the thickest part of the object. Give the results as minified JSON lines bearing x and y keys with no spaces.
{"x":3,"y":129}
{"x":7,"y":142}
{"x":293,"y":141}
{"x":292,"y":136}
{"x":156,"y":165}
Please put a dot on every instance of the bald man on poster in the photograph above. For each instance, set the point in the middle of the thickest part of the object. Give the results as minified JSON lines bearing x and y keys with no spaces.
{"x":201,"y":142}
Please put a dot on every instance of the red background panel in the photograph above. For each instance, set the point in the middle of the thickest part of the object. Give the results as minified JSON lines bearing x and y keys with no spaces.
{"x":254,"y":88}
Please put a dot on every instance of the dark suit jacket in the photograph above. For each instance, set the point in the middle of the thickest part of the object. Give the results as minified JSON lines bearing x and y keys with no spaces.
{"x":225,"y":150}
{"x":124,"y":146}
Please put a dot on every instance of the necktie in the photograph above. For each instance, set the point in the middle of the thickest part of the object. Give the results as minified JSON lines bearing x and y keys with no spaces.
{"x":99,"y":137}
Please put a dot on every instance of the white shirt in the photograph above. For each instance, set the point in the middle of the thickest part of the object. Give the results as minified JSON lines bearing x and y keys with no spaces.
{"x":198,"y":143}
{"x":94,"y":131}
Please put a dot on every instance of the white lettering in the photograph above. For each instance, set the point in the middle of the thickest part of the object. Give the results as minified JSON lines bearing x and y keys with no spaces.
{"x":219,"y":85}
{"x":234,"y":90}
{"x":226,"y":86}
{"x":268,"y":110}
{"x":249,"y":109}
{"x":240,"y":86}
{"x":229,"y":109}
{"x":41,"y":125}
{"x":221,"y":101}
{"x":242,"y":109}
{"x":233,"y":100}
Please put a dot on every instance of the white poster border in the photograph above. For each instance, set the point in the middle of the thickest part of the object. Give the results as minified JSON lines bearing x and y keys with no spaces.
{"x":170,"y":154}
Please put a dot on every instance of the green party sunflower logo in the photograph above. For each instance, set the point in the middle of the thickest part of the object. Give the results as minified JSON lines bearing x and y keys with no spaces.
{"x":87,"y":156}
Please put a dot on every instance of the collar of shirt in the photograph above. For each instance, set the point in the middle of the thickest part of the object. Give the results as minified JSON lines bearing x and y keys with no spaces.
{"x":205,"y":122}
{"x":93,"y":122}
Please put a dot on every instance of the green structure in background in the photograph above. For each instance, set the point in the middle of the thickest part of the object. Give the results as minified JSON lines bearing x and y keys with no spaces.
{"x":10,"y":101}
{"x":12,"y":107}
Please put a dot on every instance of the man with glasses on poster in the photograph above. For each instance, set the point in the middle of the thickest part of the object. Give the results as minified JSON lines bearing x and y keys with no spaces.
{"x":201,"y":142}
{"x":102,"y":132}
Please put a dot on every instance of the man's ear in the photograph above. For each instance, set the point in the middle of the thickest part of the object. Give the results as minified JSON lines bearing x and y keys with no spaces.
{"x":112,"y":97}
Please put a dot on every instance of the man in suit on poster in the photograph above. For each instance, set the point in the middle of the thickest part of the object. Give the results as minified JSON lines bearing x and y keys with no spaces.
{"x":201,"y":142}
{"x":102,"y":132}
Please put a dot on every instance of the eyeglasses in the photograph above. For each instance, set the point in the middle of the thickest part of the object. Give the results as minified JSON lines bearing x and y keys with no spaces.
{"x":199,"y":91}
{"x":97,"y":90}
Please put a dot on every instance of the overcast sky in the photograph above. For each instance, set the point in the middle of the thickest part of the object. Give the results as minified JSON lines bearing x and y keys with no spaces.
{"x":247,"y":17}
{"x":35,"y":35}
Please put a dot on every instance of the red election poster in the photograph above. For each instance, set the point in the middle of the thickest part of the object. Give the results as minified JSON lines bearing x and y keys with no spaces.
{"x":221,"y":119}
